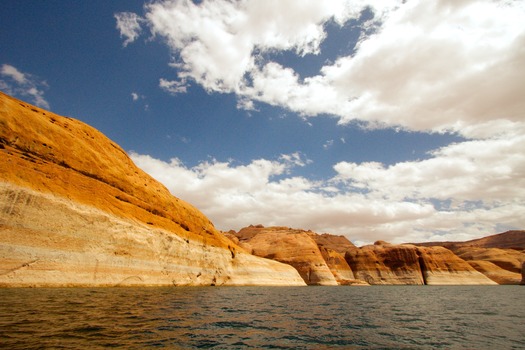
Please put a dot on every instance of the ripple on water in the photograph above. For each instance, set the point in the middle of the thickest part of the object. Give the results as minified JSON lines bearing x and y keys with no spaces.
{"x":261,"y":317}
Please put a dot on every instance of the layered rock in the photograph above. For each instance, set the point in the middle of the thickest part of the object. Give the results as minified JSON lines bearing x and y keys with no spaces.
{"x":499,"y":256}
{"x":384,"y":263}
{"x":76,"y":211}
{"x":514,"y":239}
{"x":441,"y":266}
{"x":339,"y":244}
{"x":501,"y":265}
{"x":290,"y":246}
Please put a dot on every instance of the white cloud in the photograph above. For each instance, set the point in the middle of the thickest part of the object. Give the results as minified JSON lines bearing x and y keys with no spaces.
{"x":463,"y":191}
{"x":173,"y":87}
{"x":22,"y":84}
{"x":422,"y":65}
{"x":129,"y":25}
{"x":425,"y":65}
{"x":135,"y":96}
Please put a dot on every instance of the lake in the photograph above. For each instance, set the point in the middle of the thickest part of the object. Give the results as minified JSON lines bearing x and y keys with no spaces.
{"x":377,"y":317}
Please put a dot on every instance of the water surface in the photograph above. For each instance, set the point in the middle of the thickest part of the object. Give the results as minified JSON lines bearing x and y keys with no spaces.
{"x":377,"y":317}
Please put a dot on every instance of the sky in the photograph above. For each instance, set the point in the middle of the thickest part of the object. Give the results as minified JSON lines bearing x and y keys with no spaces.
{"x":401,"y":121}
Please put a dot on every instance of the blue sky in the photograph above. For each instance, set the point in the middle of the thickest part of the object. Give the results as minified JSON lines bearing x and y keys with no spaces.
{"x":377,"y":120}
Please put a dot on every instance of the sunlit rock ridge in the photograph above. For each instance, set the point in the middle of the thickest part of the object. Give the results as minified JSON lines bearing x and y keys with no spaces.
{"x":324,"y":259}
{"x":76,"y":211}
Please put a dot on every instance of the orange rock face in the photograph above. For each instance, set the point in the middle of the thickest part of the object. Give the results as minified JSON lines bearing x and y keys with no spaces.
{"x":501,"y":265}
{"x":293,"y":247}
{"x":75,"y":210}
{"x":441,"y":266}
{"x":499,"y":256}
{"x":339,"y":244}
{"x":383,"y":263}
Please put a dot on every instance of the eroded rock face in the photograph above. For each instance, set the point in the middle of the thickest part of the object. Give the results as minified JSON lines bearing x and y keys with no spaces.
{"x":339,"y":244}
{"x":293,"y":247}
{"x":501,"y":265}
{"x":383,"y":263}
{"x":338,"y":266}
{"x":76,"y":211}
{"x":441,"y":266}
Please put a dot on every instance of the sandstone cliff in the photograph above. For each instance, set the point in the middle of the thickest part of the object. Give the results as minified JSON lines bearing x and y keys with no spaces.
{"x":500,"y":265}
{"x":384,"y":263}
{"x":76,"y":211}
{"x":499,"y":256}
{"x":293,"y":247}
{"x":339,"y":244}
{"x":507,"y":240}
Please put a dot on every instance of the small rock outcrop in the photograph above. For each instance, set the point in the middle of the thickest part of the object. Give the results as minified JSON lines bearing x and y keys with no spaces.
{"x":76,"y":211}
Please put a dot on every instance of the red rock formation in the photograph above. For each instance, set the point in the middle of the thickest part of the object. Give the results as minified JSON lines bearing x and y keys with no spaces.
{"x":75,"y":210}
{"x":338,"y":266}
{"x":339,"y":244}
{"x":441,"y":266}
{"x":500,"y":265}
{"x":290,"y":246}
{"x":383,"y":263}
{"x":506,"y":240}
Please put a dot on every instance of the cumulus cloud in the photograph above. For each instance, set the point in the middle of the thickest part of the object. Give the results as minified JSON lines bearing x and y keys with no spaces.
{"x":422,"y":65}
{"x":129,"y":25}
{"x":463,"y":191}
{"x":21,"y":84}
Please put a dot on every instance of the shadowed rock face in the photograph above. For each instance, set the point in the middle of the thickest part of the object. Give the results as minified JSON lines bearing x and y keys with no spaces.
{"x":76,"y":211}
{"x":523,"y":274}
{"x":383,"y":263}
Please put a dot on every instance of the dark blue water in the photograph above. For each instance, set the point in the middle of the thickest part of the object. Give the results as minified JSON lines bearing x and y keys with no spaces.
{"x":378,"y":317}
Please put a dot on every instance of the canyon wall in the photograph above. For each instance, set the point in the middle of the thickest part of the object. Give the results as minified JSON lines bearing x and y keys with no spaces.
{"x":76,"y":211}
{"x":289,"y":246}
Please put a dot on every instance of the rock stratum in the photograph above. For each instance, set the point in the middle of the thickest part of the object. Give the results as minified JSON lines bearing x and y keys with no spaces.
{"x":310,"y":253}
{"x":76,"y":211}
{"x":324,"y":259}
{"x":499,"y":257}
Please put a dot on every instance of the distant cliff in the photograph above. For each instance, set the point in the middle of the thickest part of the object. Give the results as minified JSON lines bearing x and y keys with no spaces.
{"x":499,"y":256}
{"x":76,"y":211}
{"x":315,"y":255}
{"x":307,"y":251}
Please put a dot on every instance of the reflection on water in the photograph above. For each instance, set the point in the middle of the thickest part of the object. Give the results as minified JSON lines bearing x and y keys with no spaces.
{"x":478,"y":317}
